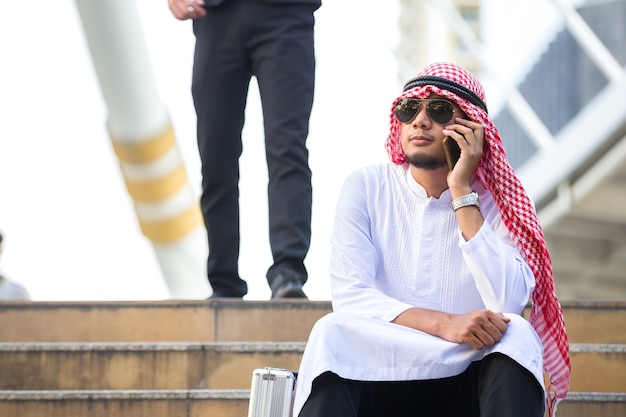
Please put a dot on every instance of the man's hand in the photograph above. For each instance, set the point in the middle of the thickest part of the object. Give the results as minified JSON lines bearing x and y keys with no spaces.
{"x":187,"y":9}
{"x":470,"y":137}
{"x":479,"y":329}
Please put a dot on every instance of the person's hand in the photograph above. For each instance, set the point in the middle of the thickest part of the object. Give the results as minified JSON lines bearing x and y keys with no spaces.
{"x":470,"y":137}
{"x":187,"y":9}
{"x":480,"y":329}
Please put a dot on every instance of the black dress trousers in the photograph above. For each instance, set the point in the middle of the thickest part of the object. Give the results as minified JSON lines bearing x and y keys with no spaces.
{"x":272,"y":40}
{"x":496,"y":386}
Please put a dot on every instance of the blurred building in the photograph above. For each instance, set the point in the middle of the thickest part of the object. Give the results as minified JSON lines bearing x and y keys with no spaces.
{"x":425,"y":36}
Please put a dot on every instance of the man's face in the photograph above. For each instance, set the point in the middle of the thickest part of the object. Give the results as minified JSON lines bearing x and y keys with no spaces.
{"x":422,"y":138}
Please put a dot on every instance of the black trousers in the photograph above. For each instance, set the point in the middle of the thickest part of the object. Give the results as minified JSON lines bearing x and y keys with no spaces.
{"x":275,"y":43}
{"x":497,"y":386}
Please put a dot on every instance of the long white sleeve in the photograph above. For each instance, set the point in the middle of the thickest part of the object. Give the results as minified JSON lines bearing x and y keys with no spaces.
{"x":503,"y":279}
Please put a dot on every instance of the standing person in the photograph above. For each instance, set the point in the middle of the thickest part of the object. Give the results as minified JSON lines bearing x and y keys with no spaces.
{"x":10,"y":290}
{"x":431,"y":269}
{"x":272,"y":40}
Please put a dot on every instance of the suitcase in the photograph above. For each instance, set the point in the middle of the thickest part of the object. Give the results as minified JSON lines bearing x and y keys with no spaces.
{"x":271,"y":392}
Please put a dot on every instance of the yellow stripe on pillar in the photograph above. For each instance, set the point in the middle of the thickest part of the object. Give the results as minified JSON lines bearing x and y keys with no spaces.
{"x":155,"y":176}
{"x":171,"y":229}
{"x":141,"y":152}
{"x":158,"y":189}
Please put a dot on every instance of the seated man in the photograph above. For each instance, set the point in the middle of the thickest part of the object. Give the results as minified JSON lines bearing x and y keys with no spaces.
{"x":431,"y":269}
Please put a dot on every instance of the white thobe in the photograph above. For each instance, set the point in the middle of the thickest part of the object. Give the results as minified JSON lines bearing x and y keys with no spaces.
{"x":394,"y":248}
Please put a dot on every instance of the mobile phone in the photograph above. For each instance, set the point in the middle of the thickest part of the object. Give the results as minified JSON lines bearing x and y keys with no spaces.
{"x":452,"y":150}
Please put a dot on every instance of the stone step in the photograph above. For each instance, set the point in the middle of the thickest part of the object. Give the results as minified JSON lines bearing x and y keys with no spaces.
{"x":594,"y":321}
{"x":215,"y":403}
{"x":217,"y":365}
{"x":598,"y":367}
{"x":232,"y":320}
{"x":161,"y":365}
{"x":593,"y":404}
{"x":196,"y":358}
{"x":125,"y":403}
{"x":160,"y":321}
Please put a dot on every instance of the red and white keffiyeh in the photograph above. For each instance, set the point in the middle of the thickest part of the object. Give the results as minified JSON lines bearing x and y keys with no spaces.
{"x":517,"y":211}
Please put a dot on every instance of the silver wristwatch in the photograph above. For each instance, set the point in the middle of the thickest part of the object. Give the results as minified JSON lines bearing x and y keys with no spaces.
{"x":470,"y":199}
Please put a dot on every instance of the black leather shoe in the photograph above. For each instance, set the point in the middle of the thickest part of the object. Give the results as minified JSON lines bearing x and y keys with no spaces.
{"x":287,"y":284}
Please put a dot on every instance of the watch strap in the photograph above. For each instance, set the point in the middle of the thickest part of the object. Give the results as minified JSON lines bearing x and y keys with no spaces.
{"x":470,"y":199}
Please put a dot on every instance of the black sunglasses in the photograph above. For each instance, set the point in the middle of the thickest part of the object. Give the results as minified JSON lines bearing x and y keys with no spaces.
{"x":439,"y":110}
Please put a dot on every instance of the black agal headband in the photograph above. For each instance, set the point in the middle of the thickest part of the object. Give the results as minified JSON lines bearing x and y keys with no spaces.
{"x":446,"y":84}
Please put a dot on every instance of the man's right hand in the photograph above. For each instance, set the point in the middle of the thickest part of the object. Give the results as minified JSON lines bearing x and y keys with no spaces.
{"x":187,"y":9}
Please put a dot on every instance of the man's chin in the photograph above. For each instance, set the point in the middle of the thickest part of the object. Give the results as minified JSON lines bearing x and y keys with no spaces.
{"x":428,"y":163}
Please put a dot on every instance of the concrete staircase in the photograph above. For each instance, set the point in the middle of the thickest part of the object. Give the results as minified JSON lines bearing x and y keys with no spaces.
{"x":195,"y":358}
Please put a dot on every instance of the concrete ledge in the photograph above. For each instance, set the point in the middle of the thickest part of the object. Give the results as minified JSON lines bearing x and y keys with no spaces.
{"x":592,"y":404}
{"x":222,"y":347}
{"x":606,"y":397}
{"x":597,"y":348}
{"x":197,"y":394}
{"x":203,"y":394}
{"x":237,"y":347}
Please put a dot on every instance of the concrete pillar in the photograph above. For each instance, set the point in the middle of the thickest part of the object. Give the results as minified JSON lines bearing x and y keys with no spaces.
{"x":144,"y":141}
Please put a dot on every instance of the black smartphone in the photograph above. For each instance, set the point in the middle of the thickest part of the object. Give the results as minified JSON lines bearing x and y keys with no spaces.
{"x":452,"y":150}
